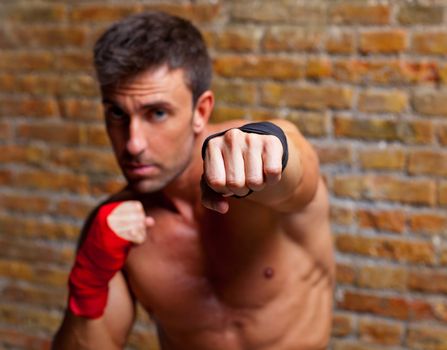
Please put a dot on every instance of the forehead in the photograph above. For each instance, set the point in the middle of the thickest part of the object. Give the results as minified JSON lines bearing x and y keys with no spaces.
{"x":160,"y":82}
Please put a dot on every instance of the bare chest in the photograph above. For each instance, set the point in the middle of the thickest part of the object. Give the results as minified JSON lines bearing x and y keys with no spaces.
{"x":218,"y":279}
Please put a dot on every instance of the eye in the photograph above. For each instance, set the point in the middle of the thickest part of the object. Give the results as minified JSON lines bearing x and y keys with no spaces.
{"x":116,"y":114}
{"x":158,"y":114}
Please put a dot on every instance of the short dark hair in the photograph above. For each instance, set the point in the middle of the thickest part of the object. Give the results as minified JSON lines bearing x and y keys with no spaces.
{"x":150,"y":40}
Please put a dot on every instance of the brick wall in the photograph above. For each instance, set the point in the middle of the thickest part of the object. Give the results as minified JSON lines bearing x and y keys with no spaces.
{"x":365,"y":81}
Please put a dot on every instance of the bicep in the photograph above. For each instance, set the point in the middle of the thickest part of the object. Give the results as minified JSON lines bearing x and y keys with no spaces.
{"x":119,"y":313}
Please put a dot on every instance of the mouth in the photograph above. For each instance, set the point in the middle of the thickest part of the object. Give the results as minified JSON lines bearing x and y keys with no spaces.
{"x":139,"y":170}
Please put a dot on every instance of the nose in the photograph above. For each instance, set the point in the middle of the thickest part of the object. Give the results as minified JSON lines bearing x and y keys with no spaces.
{"x":136,"y":144}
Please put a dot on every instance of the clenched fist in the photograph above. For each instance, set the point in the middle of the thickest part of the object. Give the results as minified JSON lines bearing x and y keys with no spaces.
{"x":237,"y":163}
{"x":129,"y":221}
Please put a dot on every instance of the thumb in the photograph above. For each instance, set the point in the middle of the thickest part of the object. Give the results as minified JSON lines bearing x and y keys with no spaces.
{"x":212,"y":199}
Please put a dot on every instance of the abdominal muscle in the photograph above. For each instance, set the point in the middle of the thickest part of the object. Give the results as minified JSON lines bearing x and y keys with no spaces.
{"x":281,"y":300}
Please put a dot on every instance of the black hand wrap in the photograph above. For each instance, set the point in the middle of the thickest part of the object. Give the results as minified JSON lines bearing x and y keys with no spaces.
{"x":261,"y":128}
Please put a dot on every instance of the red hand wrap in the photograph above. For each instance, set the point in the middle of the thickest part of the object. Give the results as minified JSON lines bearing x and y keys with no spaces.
{"x":102,"y":254}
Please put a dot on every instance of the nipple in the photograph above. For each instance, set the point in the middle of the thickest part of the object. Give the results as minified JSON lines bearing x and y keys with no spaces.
{"x":268,"y":272}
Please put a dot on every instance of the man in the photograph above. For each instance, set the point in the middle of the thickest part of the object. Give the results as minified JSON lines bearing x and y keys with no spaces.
{"x":224,"y":241}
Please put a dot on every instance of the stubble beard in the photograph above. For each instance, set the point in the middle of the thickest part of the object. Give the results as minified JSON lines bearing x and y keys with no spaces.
{"x":158,"y":183}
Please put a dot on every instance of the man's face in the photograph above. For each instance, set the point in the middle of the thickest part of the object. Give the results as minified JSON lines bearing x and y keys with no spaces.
{"x":149,"y":122}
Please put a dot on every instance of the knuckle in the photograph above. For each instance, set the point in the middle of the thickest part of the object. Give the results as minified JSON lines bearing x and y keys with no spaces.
{"x":235,"y":183}
{"x":255,"y":181}
{"x":215,"y":181}
{"x":273,"y":171}
{"x":232,"y":135}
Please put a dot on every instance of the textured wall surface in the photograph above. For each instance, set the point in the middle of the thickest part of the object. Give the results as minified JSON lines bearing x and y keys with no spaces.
{"x":365,"y":81}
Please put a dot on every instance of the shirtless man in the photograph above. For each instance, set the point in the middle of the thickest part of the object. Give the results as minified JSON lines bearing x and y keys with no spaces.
{"x":231,"y":251}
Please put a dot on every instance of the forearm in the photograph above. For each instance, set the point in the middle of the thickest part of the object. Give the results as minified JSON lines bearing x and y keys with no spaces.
{"x":78,"y":333}
{"x":299,"y":179}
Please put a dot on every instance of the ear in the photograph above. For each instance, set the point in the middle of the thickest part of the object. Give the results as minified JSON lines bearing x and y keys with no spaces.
{"x":202,"y":111}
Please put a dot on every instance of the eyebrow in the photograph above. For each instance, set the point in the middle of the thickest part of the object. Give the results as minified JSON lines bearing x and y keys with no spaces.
{"x":151,"y":105}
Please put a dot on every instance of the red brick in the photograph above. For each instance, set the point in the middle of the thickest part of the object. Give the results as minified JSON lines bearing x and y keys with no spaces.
{"x":339,"y":42}
{"x":383,"y":41}
{"x":335,"y":154}
{"x":224,"y":113}
{"x":346,"y":274}
{"x":33,"y":319}
{"x":195,"y":12}
{"x":401,"y":250}
{"x":383,"y":101}
{"x":312,"y":97}
{"x":382,"y":159}
{"x":49,"y":84}
{"x":33,"y":13}
{"x":33,"y":252}
{"x":286,"y":12}
{"x":382,"y":220}
{"x":292,"y":39}
{"x":26,"y":60}
{"x":416,"y":132}
{"x":342,"y":325}
{"x":44,"y":36}
{"x":239,"y":39}
{"x":394,"y":307}
{"x":106,"y":186}
{"x":24,"y":204}
{"x":33,"y":272}
{"x":352,"y":345}
{"x":442,"y":193}
{"x":430,"y":102}
{"x":382,"y":71}
{"x":259,"y":67}
{"x":34,"y":295}
{"x":429,"y":162}
{"x":94,"y":162}
{"x":72,"y":208}
{"x":428,"y":337}
{"x":5,"y":130}
{"x":366,"y":129}
{"x":380,"y":332}
{"x":430,"y":43}
{"x":428,"y":223}
{"x":318,"y":68}
{"x":342,"y":215}
{"x":77,"y":109}
{"x":431,"y":281}
{"x":28,"y":107}
{"x":408,"y":190}
{"x":101,"y":12}
{"x":37,"y":229}
{"x":96,"y":136}
{"x":379,"y":129}
{"x":32,"y":155}
{"x":382,"y":277}
{"x":387,"y":306}
{"x":74,"y":61}
{"x":52,"y":133}
{"x":16,"y":338}
{"x":310,"y":124}
{"x":235,"y":92}
{"x":351,"y":13}
{"x":412,"y":14}
{"x":442,"y":134}
{"x":49,"y":180}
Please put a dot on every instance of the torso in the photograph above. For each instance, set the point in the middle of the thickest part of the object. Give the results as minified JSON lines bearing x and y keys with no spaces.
{"x":245,"y":280}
